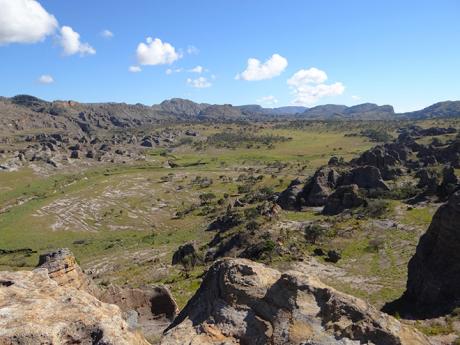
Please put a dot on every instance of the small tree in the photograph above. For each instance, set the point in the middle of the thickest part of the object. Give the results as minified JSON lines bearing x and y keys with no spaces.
{"x":313,"y":233}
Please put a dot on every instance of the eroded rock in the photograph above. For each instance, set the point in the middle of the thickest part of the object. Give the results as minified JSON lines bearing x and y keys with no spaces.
{"x":35,"y":309}
{"x":433,"y":283}
{"x":242,"y":302}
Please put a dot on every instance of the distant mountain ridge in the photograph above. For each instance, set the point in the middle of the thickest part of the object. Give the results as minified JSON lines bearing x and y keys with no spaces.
{"x":24,"y":112}
{"x":437,"y":110}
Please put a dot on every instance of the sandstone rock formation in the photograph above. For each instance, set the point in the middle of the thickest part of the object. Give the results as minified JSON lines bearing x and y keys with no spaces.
{"x":63,"y":268}
{"x":319,"y":187}
{"x":150,"y":308}
{"x":345,"y":197}
{"x":242,"y":302}
{"x":288,"y":199}
{"x":35,"y":309}
{"x":433,"y":283}
{"x":368,"y":177}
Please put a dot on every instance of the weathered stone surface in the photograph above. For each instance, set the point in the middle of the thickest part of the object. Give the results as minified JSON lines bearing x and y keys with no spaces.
{"x":319,"y":187}
{"x":289,"y":198}
{"x":35,"y":309}
{"x":368,"y":177}
{"x":63,"y":268}
{"x":150,"y":308}
{"x":345,"y":197}
{"x":242,"y":302}
{"x":433,"y":283}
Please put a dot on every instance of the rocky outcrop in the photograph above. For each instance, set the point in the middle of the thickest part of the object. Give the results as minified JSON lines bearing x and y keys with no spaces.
{"x":319,"y":187}
{"x":449,"y":183}
{"x":368,"y":177}
{"x":242,"y":302}
{"x":345,"y":197}
{"x":150,"y":308}
{"x":289,"y":198}
{"x":433,"y":283}
{"x":35,"y":309}
{"x":63,"y":268}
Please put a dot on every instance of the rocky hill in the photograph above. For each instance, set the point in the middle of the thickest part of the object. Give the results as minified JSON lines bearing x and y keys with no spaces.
{"x":366,"y":111}
{"x":438,"y":110}
{"x":28,"y":113}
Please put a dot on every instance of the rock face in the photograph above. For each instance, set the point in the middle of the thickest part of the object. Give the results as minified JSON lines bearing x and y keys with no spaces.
{"x":242,"y":302}
{"x":63,"y":268}
{"x":288,"y":199}
{"x":35,"y":309}
{"x":345,"y":197}
{"x":319,"y":187}
{"x":433,"y":283}
{"x":150,"y":308}
{"x":368,"y":177}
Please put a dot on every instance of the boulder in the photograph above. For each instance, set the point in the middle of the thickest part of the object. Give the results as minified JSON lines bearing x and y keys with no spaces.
{"x":449,"y":183}
{"x":289,"y":198}
{"x":345,"y":197}
{"x":428,"y":180}
{"x":35,"y":309}
{"x":433,"y":283}
{"x":75,"y":154}
{"x":243,"y":302}
{"x":319,"y":187}
{"x":368,"y":177}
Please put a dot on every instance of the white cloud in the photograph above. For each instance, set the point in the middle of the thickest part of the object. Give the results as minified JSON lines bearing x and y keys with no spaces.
{"x":46,"y":79}
{"x":134,"y":69}
{"x":170,"y":71}
{"x":192,"y":50}
{"x":268,"y":100}
{"x":356,"y":98}
{"x":70,"y":42}
{"x":307,"y":76}
{"x":24,"y":21}
{"x":308,"y":86}
{"x":199,"y":83}
{"x":257,"y":70}
{"x":197,"y":69}
{"x":106,"y":33}
{"x":155,"y":52}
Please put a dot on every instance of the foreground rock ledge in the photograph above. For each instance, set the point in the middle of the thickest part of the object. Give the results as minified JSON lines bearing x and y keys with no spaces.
{"x":34,"y":309}
{"x":242,"y":302}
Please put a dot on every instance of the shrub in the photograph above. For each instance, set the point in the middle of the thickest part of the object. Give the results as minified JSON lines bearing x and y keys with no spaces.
{"x":377,"y":208}
{"x":314,"y":233}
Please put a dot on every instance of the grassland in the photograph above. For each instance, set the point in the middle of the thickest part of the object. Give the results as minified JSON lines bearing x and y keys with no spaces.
{"x":120,"y":220}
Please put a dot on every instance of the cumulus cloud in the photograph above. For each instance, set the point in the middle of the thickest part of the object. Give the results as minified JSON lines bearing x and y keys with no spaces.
{"x":197,"y":69}
{"x":106,"y":33}
{"x":46,"y":79}
{"x":134,"y":69}
{"x":70,"y":42}
{"x":268,"y":100}
{"x":24,"y":21}
{"x":309,"y":86}
{"x":199,"y":83}
{"x":256,"y":70}
{"x":155,"y":52}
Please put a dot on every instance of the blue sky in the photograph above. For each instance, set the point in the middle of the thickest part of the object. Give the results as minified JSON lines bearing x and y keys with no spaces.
{"x":404,"y":53}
